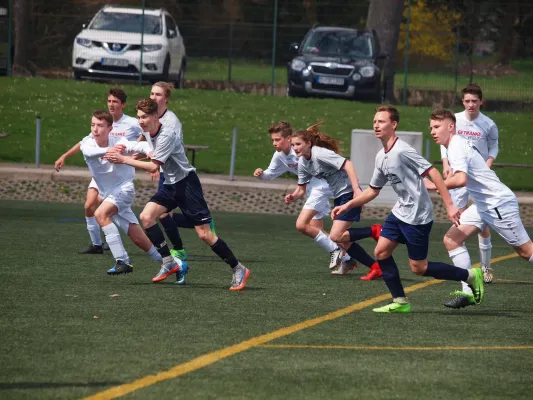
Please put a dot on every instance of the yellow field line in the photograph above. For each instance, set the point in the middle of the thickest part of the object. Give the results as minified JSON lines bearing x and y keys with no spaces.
{"x":394,"y":348}
{"x":511,"y":281}
{"x":217,"y":355}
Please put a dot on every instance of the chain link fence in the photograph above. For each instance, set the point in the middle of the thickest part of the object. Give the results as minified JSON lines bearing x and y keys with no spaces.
{"x":248,"y":41}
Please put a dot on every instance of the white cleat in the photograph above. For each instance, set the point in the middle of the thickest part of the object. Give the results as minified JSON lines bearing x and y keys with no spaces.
{"x":344,"y":268}
{"x":335,"y":257}
{"x":487,"y":274}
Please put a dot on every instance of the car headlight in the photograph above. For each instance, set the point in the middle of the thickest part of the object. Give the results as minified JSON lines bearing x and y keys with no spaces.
{"x":297,"y":65}
{"x":84,"y":42}
{"x":367,"y":72}
{"x":152,"y":47}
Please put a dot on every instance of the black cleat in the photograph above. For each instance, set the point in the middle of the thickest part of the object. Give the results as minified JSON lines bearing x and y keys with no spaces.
{"x":120,"y":268}
{"x":92,"y":249}
{"x":461,"y":300}
{"x":105,"y":246}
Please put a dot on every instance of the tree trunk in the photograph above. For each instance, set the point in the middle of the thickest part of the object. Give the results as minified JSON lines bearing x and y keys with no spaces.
{"x":385,"y":17}
{"x":21,"y":22}
{"x":508,"y":35}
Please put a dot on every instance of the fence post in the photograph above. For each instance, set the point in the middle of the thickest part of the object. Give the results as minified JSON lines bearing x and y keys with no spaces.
{"x":37,"y":141}
{"x":230,"y":51}
{"x":456,"y":63}
{"x":406,"y":63}
{"x":274,"y":37}
{"x":233,"y":153}
{"x":9,"y":37}
{"x":142,"y":45}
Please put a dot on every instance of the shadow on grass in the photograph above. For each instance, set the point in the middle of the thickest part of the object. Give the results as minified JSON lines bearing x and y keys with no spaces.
{"x":54,"y":385}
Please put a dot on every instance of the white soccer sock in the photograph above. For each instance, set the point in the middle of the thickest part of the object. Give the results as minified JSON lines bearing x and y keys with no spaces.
{"x":346,"y":258}
{"x":485,"y":250}
{"x":155,"y":255}
{"x":461,"y":259}
{"x":94,"y":231}
{"x":112,"y":237}
{"x":531,"y":258}
{"x":325,"y":242}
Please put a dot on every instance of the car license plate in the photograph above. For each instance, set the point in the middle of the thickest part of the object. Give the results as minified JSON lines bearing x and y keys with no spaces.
{"x":328,"y":80}
{"x":115,"y":62}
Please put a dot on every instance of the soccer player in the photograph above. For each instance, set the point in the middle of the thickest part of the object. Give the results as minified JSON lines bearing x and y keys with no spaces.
{"x":319,"y":158}
{"x":482,"y":133}
{"x":182,"y":189}
{"x":495,"y":205}
{"x":123,"y":127}
{"x":115,"y":194}
{"x":411,"y":218}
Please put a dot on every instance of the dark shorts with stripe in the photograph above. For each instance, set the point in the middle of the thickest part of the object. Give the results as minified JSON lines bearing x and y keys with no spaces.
{"x":415,"y":237}
{"x":353,"y":215}
{"x":188,"y":196}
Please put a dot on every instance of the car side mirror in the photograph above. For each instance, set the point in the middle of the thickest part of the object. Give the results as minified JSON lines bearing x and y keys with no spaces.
{"x":171,"y":33}
{"x":293,"y":47}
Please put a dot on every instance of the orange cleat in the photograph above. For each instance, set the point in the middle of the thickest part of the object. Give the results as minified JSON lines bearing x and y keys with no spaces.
{"x":376,"y":231}
{"x":374,"y":273}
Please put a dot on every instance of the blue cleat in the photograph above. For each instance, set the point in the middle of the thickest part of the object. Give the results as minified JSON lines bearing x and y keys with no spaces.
{"x":181,"y":275}
{"x":120,"y":267}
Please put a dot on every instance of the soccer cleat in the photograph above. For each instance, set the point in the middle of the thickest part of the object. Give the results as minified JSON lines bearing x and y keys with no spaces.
{"x":105,"y":246}
{"x":374,"y":273}
{"x":119,"y":268}
{"x":165,"y":271}
{"x":335,"y":257}
{"x":460,"y":300}
{"x":181,"y":254}
{"x":92,"y":249}
{"x":212,"y":227}
{"x":376,"y":231}
{"x":181,"y":275}
{"x":240,"y":276}
{"x":487,"y":274}
{"x":345,"y":267}
{"x":477,"y":285}
{"x":394,"y":308}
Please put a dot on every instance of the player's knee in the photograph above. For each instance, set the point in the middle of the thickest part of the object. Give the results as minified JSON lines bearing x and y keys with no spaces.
{"x":418,"y":269}
{"x":205,"y":236}
{"x":450,"y":243}
{"x":335,"y":236}
{"x":100,"y":217}
{"x":380,"y":254}
{"x":147,"y":219}
{"x":301,"y":226}
{"x":90,"y":208}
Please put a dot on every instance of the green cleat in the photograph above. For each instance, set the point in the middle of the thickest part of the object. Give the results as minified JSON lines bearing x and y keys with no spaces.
{"x":181,"y":254}
{"x":212,"y":227}
{"x":460,"y":300}
{"x":477,"y":285}
{"x":394,"y":308}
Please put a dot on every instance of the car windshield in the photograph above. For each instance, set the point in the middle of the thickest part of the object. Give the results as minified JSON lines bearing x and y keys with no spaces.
{"x":338,"y":43}
{"x":124,"y":22}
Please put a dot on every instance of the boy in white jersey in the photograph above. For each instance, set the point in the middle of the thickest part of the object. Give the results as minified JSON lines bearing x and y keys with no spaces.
{"x":482,"y":133}
{"x":182,"y":189}
{"x":495,"y":205}
{"x":319,"y":159}
{"x":123,"y":127}
{"x":116,"y":193}
{"x":411,"y":218}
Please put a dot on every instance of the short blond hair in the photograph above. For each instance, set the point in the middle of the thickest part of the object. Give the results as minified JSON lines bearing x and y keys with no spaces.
{"x":167,"y":88}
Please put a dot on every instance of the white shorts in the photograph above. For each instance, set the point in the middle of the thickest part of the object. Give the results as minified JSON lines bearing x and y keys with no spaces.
{"x":122,"y":197}
{"x":93,"y":185}
{"x":318,"y":196}
{"x":505,"y":220}
{"x":459,"y":197}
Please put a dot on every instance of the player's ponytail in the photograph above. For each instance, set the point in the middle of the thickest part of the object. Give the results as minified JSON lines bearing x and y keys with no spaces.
{"x":317,"y":138}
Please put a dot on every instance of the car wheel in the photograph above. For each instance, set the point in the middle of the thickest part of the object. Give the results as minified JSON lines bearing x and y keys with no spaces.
{"x":180,"y":81}
{"x":78,"y":75}
{"x":292,"y":93}
{"x":166,"y":68}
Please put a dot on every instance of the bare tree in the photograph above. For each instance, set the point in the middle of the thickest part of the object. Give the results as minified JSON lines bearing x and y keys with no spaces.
{"x":21,"y":22}
{"x":385,"y":17}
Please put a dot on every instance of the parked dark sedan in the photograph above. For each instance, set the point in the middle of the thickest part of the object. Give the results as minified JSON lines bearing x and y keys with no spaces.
{"x":336,"y":62}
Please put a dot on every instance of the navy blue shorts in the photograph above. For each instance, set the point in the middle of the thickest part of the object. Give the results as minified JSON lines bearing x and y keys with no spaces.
{"x":415,"y":237}
{"x":353,"y":215}
{"x":161,"y":181}
{"x":186,"y":194}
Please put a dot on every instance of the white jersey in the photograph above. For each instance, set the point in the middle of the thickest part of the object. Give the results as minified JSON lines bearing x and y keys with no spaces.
{"x":405,"y":169}
{"x":327,"y":165}
{"x":107,"y":175}
{"x":126,"y":127}
{"x":483,"y":185}
{"x":169,"y":118}
{"x":482,"y":133}
{"x":282,"y":163}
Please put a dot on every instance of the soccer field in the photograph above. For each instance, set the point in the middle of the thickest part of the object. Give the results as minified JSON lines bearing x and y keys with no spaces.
{"x":296,"y":332}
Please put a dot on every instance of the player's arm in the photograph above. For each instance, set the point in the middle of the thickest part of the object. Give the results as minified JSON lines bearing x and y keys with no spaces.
{"x":492,"y":144}
{"x":352,"y":175}
{"x":453,"y":213}
{"x":61,"y":160}
{"x":298,"y":193}
{"x":446,"y":169}
{"x":366,"y":196}
{"x":457,"y":180}
{"x":275,"y":169}
{"x":90,"y":152}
